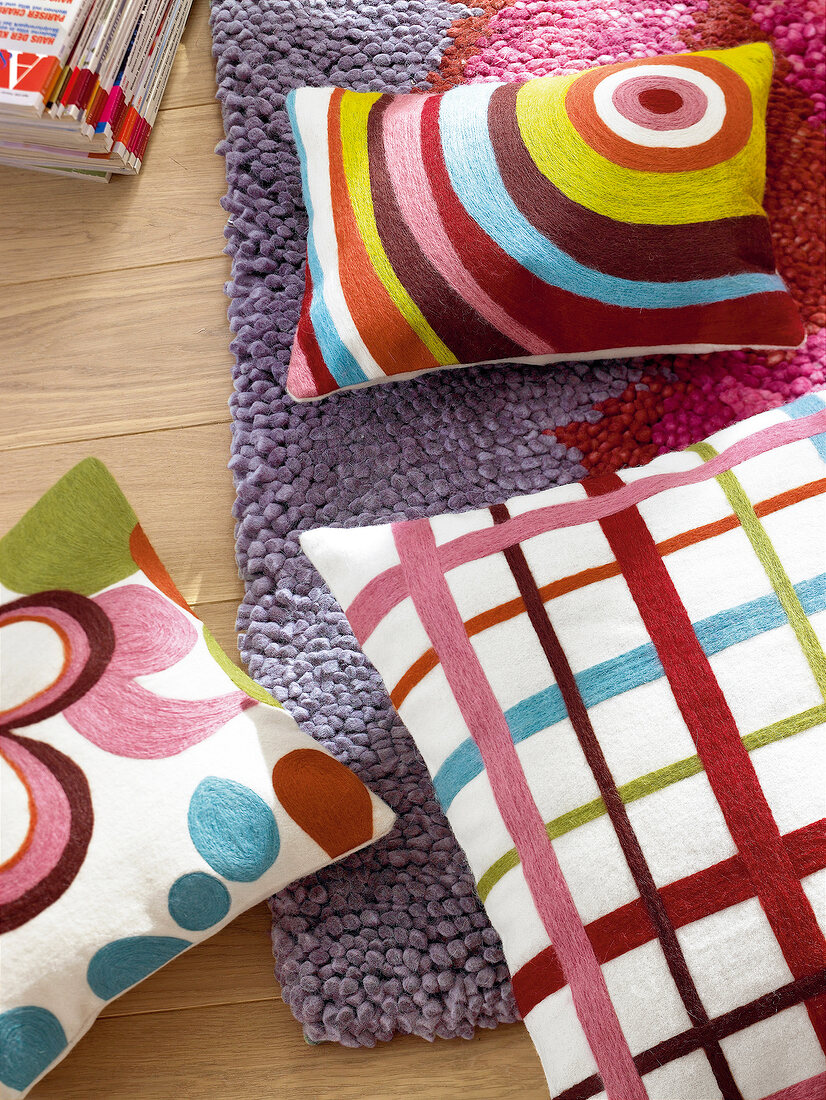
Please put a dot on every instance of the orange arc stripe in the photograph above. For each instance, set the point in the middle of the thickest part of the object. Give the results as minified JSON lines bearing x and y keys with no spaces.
{"x":64,"y":639}
{"x":24,"y":847}
{"x":386,"y":335}
{"x":428,"y":661}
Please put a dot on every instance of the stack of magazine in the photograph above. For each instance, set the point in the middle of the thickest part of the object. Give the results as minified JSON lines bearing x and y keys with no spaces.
{"x":81,"y":81}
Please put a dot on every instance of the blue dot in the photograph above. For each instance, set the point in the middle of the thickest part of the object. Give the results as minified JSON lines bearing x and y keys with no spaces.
{"x":31,"y":1038}
{"x":122,"y":963}
{"x":198,"y":901}
{"x":233,"y":828}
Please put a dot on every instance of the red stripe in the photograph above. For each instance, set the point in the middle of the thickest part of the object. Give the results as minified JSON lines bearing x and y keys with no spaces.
{"x":306,"y":339}
{"x":692,"y":898}
{"x":726,"y":762}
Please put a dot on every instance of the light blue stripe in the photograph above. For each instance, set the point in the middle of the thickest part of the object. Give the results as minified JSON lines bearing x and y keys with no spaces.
{"x":808,"y":406}
{"x":474,"y":175}
{"x":633,"y":669}
{"x":337,"y":356}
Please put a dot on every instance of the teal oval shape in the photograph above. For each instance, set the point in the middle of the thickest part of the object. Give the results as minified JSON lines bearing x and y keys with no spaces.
{"x":122,"y":963}
{"x":198,"y":901}
{"x":233,"y":828}
{"x":31,"y":1038}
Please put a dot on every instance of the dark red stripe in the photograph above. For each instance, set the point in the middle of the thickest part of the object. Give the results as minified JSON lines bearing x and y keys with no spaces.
{"x":306,"y":339}
{"x":660,"y":253}
{"x":803,"y":990}
{"x":469,"y":336}
{"x":688,"y":900}
{"x":570,"y":323}
{"x":25,"y":907}
{"x":643,"y":879}
{"x":725,"y":759}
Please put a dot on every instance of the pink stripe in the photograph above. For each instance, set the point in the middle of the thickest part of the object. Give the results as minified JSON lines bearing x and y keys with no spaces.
{"x":51,"y":831}
{"x":813,"y":1089}
{"x":388,"y":589}
{"x":486,"y":722}
{"x":402,"y":142}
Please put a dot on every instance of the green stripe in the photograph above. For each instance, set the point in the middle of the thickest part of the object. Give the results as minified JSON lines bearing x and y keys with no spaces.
{"x":648,"y":784}
{"x":767,"y":555}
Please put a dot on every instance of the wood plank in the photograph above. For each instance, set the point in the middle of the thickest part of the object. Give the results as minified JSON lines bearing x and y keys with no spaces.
{"x":116,"y":353}
{"x":192,"y":80}
{"x":233,"y":966}
{"x":220,"y":620}
{"x":254,"y":1050}
{"x":178,"y":483}
{"x":168,"y":213}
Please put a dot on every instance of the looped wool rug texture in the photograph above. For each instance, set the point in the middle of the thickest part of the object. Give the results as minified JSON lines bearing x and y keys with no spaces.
{"x":394,"y":939}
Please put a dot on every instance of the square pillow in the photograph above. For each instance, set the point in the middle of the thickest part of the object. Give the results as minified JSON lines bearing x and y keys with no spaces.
{"x":612,"y":212}
{"x":619,"y":688}
{"x":150,"y":790}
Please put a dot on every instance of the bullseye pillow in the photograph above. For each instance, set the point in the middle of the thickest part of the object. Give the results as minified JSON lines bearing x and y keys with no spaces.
{"x":150,"y":790}
{"x":619,"y":688}
{"x":610,"y":213}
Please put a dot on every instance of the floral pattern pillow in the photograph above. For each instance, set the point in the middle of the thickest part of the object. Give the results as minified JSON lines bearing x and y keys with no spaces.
{"x":150,"y":790}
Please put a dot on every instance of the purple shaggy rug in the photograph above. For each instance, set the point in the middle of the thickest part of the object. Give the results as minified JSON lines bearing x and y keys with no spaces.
{"x":394,"y":939}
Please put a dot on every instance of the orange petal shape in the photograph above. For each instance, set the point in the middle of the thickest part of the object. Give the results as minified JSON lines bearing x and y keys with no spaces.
{"x":325,"y":798}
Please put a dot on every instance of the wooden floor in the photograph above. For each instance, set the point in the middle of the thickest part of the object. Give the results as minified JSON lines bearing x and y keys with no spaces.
{"x":114,"y":343}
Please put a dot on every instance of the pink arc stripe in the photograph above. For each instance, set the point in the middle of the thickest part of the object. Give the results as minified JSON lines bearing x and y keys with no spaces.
{"x":380,"y":595}
{"x":813,"y":1089}
{"x":403,"y":146}
{"x":52,"y":828}
{"x":480,"y":709}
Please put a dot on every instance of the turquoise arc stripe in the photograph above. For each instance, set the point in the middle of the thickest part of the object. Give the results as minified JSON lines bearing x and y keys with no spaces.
{"x":806,"y":406}
{"x":337,"y":357}
{"x":633,"y":669}
{"x":474,"y":176}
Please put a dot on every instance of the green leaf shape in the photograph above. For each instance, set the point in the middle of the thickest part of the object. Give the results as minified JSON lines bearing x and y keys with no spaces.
{"x":76,"y":537}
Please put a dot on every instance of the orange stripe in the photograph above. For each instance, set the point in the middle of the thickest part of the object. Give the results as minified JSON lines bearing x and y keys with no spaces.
{"x":64,"y":638}
{"x":428,"y":661}
{"x":27,"y":840}
{"x":386,"y":335}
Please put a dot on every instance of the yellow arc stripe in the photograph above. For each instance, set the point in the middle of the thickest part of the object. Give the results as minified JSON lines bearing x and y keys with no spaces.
{"x":355,"y":107}
{"x":768,"y":558}
{"x":730,"y":189}
{"x":648,"y":784}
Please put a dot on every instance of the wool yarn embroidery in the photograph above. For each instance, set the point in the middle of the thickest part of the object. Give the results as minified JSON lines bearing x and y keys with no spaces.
{"x":144,"y":794}
{"x":620,"y":690}
{"x":454,"y":440}
{"x":607,"y":213}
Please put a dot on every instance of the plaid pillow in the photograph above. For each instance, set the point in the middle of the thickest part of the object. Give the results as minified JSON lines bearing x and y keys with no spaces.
{"x":620,"y":690}
{"x":616,"y":211}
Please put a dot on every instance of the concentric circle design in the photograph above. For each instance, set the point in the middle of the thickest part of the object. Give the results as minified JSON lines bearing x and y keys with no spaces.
{"x":685,"y":115}
{"x":662,"y":108}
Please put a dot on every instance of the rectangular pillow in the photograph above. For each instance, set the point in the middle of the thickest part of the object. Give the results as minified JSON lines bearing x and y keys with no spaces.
{"x":151,"y":791}
{"x":612,"y":212}
{"x":619,"y":688}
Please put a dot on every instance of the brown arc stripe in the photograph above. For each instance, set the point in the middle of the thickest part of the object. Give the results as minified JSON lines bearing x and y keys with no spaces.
{"x":787,"y":996}
{"x":509,"y":610}
{"x":660,"y":253}
{"x":469,"y":336}
{"x":617,"y":812}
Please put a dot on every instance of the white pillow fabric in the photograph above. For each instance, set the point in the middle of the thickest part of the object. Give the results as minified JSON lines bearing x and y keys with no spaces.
{"x":146,"y":800}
